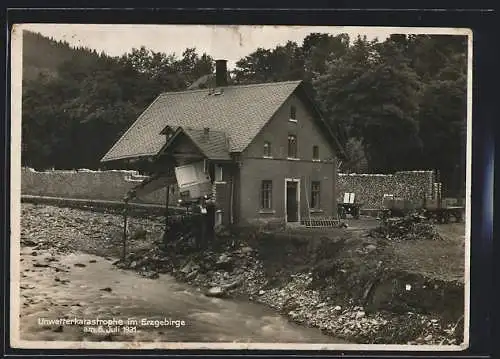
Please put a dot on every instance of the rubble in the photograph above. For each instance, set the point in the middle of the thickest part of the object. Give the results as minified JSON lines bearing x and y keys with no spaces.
{"x":410,"y":227}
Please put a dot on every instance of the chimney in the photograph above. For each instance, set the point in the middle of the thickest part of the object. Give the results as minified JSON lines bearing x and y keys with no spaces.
{"x":220,"y":73}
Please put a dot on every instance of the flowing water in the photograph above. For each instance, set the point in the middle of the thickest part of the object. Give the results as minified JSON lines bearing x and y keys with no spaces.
{"x":97,"y":289}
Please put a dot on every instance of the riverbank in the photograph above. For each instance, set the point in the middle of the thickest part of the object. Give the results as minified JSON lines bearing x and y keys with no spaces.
{"x":343,"y":282}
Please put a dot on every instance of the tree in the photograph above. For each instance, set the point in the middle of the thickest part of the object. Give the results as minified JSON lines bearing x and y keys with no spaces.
{"x":320,"y":49}
{"x":443,"y":123}
{"x":372,"y":91}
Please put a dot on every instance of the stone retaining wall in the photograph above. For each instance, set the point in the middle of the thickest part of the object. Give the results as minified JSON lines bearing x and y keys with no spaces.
{"x":87,"y":184}
{"x":114,"y":184}
{"x":370,"y":188}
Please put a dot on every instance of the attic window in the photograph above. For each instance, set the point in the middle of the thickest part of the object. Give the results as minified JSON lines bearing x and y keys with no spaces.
{"x":315,"y":154}
{"x":292,"y":146}
{"x":267,"y":149}
{"x":293,"y":114}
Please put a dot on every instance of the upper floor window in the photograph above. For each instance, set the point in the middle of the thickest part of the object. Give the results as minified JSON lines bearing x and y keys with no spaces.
{"x":315,"y":194}
{"x":267,"y":149}
{"x":315,"y":153}
{"x":293,"y":113}
{"x":292,"y":146}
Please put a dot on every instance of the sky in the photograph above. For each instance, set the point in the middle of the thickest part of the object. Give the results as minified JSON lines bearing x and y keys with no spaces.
{"x":229,"y":42}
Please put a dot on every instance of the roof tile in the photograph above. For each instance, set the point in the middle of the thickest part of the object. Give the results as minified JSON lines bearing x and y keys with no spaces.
{"x":238,"y":111}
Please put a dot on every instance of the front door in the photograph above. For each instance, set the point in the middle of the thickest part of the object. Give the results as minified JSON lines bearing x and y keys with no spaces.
{"x":292,"y":203}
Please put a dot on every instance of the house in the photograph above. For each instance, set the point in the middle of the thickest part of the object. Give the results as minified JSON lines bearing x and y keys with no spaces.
{"x":270,"y":155}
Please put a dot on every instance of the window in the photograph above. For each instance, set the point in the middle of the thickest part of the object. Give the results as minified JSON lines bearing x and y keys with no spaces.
{"x":266,"y":194}
{"x":315,"y":194}
{"x":218,"y":173}
{"x":292,"y":146}
{"x":293,"y":113}
{"x":315,"y":153}
{"x":267,"y":149}
{"x":218,"y":218}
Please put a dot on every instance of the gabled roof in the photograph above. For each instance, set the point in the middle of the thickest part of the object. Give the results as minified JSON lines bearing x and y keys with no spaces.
{"x":239,"y":111}
{"x":213,"y":145}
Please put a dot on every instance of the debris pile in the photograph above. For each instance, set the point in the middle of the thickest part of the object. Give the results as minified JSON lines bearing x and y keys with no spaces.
{"x":410,"y":227}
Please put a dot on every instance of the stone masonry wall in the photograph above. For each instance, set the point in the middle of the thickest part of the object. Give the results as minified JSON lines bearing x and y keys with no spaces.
{"x":370,"y":188}
{"x":114,"y":184}
{"x":86,"y":184}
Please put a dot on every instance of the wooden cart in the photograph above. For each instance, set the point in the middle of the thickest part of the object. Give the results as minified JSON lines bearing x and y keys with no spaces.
{"x":349,"y":206}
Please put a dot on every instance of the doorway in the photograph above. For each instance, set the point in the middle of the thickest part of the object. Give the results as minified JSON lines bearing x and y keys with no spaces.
{"x":292,"y":200}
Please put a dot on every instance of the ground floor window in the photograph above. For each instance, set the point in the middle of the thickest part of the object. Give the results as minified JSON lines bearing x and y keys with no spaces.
{"x":266,"y":194}
{"x":218,"y":217}
{"x":315,"y":194}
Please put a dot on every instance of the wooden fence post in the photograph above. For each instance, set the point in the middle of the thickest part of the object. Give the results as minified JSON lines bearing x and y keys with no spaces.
{"x":125,"y":225}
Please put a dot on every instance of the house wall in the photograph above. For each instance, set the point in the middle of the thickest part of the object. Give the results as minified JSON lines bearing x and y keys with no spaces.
{"x":255,"y":168}
{"x":223,"y":192}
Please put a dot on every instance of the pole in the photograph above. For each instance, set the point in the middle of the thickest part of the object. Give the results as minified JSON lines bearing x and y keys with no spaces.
{"x":167,"y":200}
{"x":307,"y":200}
{"x":125,"y":209}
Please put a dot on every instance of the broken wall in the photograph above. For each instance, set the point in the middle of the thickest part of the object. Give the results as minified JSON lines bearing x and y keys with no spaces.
{"x":370,"y":188}
{"x":87,"y":184}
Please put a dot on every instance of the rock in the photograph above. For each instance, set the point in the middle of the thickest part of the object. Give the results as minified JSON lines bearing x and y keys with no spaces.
{"x":215,"y":292}
{"x":153,"y":275}
{"x":428,"y":338}
{"x":81,"y":265}
{"x":321,"y":305}
{"x":40,"y":265}
{"x":337,"y":308}
{"x":261,"y":292}
{"x":234,"y":284}
{"x":370,"y":248}
{"x":28,"y":243}
{"x":192,"y":275}
{"x":59,"y":329}
{"x":360,"y":315}
{"x":133,"y":264}
{"x":27,"y":286}
{"x":107,"y":289}
{"x":246,"y":250}
{"x":189,"y":267}
{"x":223,"y":259}
{"x":224,"y":262}
{"x":92,"y":261}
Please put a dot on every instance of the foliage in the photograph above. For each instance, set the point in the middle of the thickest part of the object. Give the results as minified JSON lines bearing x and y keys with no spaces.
{"x":72,"y":117}
{"x":396,"y":104}
{"x":402,"y":99}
